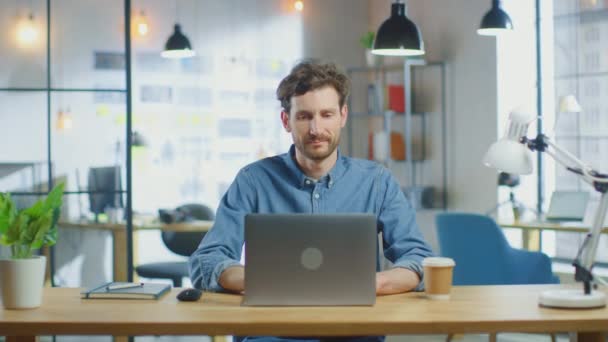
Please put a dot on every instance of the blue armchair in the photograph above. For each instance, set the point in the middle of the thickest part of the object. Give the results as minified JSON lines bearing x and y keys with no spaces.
{"x":483,"y":255}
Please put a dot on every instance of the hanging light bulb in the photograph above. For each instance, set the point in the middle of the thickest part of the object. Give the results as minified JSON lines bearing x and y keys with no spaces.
{"x":142,"y":24}
{"x":64,"y":120}
{"x":178,"y":45}
{"x":398,"y":35}
{"x":495,"y":22}
{"x":27,"y":33}
{"x":298,"y":5}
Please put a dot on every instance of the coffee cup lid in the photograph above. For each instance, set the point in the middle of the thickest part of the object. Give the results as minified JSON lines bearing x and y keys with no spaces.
{"x":438,"y":262}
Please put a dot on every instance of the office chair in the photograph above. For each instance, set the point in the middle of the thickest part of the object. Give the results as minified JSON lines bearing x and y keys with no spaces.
{"x":484,"y":257}
{"x":179,"y":243}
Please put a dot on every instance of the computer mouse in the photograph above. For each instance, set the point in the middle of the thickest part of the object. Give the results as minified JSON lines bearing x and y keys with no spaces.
{"x":189,"y":295}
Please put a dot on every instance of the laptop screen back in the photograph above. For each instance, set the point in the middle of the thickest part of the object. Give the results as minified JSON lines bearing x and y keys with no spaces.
{"x":568,"y":206}
{"x":302,"y":259}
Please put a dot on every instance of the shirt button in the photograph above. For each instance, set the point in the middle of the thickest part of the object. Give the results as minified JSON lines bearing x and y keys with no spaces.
{"x":307,"y":181}
{"x":331,"y":182}
{"x":317,"y":196}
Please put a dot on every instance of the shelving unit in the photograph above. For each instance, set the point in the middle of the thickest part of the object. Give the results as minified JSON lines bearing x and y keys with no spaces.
{"x":429,"y":146}
{"x":48,"y":89}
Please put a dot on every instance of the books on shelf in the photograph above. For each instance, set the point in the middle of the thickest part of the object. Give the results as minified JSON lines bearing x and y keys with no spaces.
{"x":122,"y":290}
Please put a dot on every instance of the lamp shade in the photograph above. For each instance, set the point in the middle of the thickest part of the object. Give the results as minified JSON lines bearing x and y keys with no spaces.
{"x":569,"y":104}
{"x":398,"y":36}
{"x":178,"y":45}
{"x":509,"y":156}
{"x":495,"y":22}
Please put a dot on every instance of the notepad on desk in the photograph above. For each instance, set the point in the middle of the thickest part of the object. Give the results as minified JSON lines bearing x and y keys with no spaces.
{"x":122,"y":290}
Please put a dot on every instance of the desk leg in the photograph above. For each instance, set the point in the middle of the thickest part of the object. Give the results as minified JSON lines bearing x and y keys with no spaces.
{"x":119,"y":244}
{"x":121,"y":338}
{"x":22,"y":339}
{"x":218,"y":339}
{"x":135,"y":250}
{"x":531,"y":239}
{"x":591,"y":337}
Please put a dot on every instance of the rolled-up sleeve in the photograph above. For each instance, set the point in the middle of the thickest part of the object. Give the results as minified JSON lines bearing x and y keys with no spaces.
{"x":403,"y":242}
{"x":222,"y":245}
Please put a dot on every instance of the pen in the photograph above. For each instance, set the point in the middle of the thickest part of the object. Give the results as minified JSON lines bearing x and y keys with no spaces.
{"x":112,"y":287}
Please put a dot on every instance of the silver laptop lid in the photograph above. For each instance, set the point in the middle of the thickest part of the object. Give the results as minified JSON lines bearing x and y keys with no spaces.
{"x":302,"y":259}
{"x":568,"y":206}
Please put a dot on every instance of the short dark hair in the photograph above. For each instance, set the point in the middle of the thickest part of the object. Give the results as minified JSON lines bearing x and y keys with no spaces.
{"x":310,"y":75}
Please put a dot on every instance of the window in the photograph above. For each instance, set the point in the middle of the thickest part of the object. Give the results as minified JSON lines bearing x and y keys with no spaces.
{"x":578,"y":57}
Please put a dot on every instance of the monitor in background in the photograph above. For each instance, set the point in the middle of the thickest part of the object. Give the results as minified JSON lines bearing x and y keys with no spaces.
{"x":568,"y":206}
{"x":104,"y":184}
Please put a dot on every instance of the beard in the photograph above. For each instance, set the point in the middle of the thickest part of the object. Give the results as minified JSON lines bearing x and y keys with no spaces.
{"x":317,"y":153}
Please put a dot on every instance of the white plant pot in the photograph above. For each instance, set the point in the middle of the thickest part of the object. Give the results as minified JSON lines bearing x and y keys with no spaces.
{"x":370,"y":58}
{"x":21,"y":281}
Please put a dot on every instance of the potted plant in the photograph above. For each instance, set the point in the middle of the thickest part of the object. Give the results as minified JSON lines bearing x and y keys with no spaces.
{"x":367,"y":41}
{"x":26,"y":230}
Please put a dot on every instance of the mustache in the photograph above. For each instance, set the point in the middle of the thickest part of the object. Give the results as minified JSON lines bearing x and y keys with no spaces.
{"x":317,"y":137}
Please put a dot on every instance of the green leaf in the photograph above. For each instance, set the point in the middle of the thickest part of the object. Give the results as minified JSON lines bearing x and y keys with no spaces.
{"x":55,"y":198}
{"x":367,"y":39}
{"x":33,"y":227}
{"x":35,"y":210}
{"x":50,"y":238}
{"x":44,"y":225}
{"x":8,"y":213}
{"x":13,"y":234}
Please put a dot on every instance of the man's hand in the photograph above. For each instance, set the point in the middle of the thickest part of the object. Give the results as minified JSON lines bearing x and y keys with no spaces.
{"x":396,"y":280}
{"x":233,"y":279}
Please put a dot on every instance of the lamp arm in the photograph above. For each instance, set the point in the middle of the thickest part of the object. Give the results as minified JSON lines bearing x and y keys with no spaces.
{"x":587,"y":171}
{"x":586,"y":255}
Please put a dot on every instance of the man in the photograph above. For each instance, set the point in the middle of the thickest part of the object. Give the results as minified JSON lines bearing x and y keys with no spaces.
{"x":313,"y":177}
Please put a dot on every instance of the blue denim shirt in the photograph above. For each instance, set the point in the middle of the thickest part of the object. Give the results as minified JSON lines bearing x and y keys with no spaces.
{"x":277,"y":185}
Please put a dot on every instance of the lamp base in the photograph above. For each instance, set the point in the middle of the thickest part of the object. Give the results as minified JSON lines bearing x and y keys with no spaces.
{"x":572,"y":299}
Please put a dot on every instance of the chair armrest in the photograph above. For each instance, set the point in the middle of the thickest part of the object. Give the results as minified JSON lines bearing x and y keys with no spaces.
{"x":527,"y":267}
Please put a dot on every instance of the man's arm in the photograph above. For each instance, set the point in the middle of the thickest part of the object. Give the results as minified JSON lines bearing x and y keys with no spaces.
{"x":396,"y":280}
{"x":222,"y":245}
{"x":403,"y":243}
{"x":233,"y":279}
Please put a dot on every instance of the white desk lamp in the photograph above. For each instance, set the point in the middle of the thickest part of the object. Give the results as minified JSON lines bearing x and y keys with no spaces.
{"x":512,"y":154}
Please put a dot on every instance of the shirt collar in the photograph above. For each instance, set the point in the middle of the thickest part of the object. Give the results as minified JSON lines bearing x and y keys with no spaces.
{"x":332,"y":177}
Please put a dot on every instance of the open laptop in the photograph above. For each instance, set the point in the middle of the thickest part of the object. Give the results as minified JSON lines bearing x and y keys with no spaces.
{"x":303,"y":259}
{"x":568,"y":206}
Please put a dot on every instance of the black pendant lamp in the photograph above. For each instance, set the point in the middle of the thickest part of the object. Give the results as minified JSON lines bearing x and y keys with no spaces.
{"x":398,"y":36}
{"x":178,"y":45}
{"x":495,"y":22}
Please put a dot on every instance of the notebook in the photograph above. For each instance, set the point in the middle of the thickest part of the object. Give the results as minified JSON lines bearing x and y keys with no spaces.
{"x":303,"y":259}
{"x":120,"y":290}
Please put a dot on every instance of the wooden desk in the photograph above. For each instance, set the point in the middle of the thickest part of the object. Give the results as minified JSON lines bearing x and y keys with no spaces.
{"x":119,"y":237}
{"x":531,"y":230}
{"x":472,"y":309}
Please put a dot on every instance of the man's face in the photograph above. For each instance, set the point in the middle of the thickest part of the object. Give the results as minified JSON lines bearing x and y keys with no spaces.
{"x":315,"y":121}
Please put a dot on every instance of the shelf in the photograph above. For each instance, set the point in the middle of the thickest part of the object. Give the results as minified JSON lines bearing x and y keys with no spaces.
{"x":390,"y":113}
{"x":410,"y":124}
{"x":407,"y":161}
{"x":71,"y":90}
{"x":376,"y":69}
